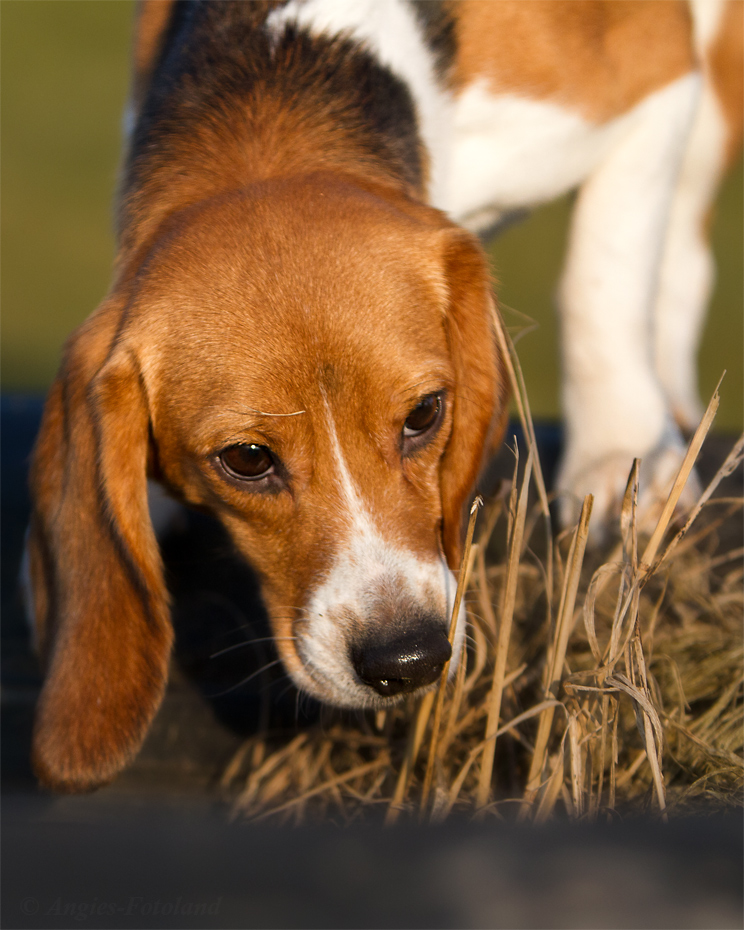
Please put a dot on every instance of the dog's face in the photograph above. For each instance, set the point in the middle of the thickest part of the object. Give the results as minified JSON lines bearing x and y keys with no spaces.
{"x":313,"y":365}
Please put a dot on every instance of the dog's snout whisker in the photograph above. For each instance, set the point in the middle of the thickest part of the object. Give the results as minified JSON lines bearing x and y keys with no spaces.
{"x":251,"y":642}
{"x":244,"y":681}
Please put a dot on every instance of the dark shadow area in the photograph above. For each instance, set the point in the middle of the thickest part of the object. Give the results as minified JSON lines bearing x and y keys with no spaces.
{"x":223,"y":639}
{"x":70,"y":863}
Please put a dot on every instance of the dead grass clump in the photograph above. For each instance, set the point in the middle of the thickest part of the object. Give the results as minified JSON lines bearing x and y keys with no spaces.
{"x":592,"y":686}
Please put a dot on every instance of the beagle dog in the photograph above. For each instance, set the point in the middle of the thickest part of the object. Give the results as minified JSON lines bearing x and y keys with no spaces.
{"x":299,"y":338}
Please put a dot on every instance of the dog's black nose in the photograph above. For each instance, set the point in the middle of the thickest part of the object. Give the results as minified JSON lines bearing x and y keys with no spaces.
{"x":403,"y":660}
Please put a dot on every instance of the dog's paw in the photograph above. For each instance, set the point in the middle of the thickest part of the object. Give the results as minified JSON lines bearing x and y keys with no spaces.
{"x":607,"y":479}
{"x":659,"y":471}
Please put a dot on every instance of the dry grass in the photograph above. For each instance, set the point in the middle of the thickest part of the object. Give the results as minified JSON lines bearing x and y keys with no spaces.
{"x":595,"y":685}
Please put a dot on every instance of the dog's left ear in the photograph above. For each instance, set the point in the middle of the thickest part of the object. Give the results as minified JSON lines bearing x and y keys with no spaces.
{"x":97,"y":591}
{"x":481,"y":386}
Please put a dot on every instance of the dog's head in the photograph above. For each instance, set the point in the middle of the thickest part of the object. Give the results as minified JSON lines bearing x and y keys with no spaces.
{"x":314,"y":365}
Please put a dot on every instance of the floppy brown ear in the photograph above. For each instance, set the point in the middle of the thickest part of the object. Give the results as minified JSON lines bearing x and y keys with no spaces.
{"x":481,"y":386}
{"x":97,"y":591}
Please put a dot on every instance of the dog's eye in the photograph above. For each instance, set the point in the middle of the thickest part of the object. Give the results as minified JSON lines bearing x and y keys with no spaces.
{"x":247,"y":462}
{"x":424,"y":416}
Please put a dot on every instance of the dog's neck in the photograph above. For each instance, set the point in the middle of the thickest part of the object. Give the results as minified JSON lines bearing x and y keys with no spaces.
{"x":236,"y":97}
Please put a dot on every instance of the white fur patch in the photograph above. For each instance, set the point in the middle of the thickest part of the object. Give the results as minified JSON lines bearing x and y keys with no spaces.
{"x":509,"y":151}
{"x":388,"y":30}
{"x":706,"y":19}
{"x":370,"y":577}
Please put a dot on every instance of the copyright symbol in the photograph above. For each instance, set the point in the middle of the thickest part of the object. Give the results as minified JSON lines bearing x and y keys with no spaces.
{"x":30,"y":906}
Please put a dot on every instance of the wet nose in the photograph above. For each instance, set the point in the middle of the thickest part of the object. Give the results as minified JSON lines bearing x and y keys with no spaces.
{"x":402,"y":660}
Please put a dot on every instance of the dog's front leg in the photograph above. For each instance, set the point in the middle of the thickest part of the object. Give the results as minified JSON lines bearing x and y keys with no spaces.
{"x":615,"y":406}
{"x":687,"y":269}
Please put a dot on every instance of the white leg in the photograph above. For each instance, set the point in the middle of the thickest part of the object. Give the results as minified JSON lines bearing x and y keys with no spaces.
{"x":614,"y":404}
{"x":687,"y":268}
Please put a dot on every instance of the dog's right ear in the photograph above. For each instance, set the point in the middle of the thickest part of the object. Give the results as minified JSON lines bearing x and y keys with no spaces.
{"x":97,"y":593}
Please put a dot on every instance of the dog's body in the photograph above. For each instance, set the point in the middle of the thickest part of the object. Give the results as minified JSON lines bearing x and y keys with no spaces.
{"x":299,"y":343}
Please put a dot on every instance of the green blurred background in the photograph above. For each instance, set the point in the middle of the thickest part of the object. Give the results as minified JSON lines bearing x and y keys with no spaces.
{"x":64,"y":78}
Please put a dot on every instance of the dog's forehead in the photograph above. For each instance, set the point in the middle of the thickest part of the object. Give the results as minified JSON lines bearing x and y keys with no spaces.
{"x":257,"y":295}
{"x":317,"y":235}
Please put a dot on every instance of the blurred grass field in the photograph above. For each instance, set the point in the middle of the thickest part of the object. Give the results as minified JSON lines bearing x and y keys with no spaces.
{"x":64,"y":77}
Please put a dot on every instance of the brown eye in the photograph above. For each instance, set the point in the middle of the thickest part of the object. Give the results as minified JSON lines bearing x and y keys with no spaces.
{"x":423,"y":417}
{"x":247,"y":462}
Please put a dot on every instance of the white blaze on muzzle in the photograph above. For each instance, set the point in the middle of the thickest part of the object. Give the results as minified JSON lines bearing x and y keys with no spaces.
{"x":373,"y":593}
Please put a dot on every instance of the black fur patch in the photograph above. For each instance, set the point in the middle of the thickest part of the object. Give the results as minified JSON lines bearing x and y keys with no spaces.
{"x":438,"y":24}
{"x":217,"y":55}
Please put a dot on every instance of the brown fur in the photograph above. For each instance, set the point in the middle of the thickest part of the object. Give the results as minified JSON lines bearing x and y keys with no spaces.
{"x":597,"y":57}
{"x":100,"y":602}
{"x":137,"y":369}
{"x":296,"y":107}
